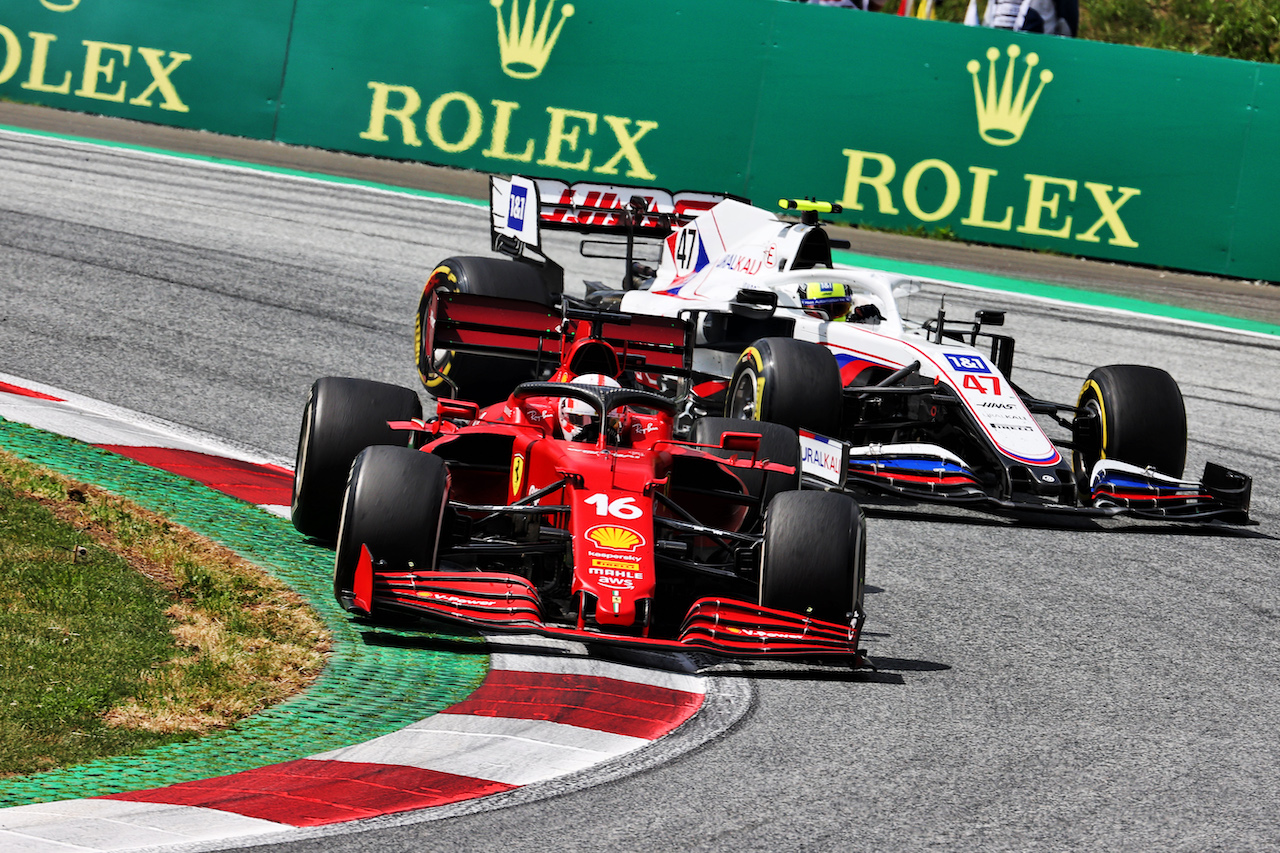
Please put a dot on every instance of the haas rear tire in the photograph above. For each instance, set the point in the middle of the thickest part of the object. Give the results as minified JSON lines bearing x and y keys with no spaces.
{"x":777,"y":444}
{"x":393,"y":505}
{"x":483,"y":379}
{"x":814,"y":555}
{"x":789,"y":382}
{"x":341,"y":418}
{"x":1138,"y":417}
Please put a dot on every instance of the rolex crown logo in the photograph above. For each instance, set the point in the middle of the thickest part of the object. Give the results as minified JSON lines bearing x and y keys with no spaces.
{"x":524,"y":49}
{"x":1003,"y":116}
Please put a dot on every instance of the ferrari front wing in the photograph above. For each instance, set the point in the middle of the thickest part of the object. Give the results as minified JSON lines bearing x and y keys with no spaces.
{"x":505,"y":602}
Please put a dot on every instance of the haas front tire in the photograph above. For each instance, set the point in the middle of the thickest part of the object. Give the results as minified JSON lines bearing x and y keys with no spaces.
{"x":789,"y":382}
{"x":1130,"y":413}
{"x":393,"y":506}
{"x":341,"y":418}
{"x":482,"y":379}
{"x":814,"y":555}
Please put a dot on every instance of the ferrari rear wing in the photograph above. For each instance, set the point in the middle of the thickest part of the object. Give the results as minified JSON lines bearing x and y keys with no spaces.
{"x":489,"y":325}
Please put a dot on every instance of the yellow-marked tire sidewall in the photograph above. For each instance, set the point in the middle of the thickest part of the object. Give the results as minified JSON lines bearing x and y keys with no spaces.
{"x":754,"y":362}
{"x":1079,"y":462}
{"x":429,"y":371}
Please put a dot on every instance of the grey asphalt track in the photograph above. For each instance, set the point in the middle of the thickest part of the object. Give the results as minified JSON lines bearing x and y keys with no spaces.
{"x":1040,"y":689}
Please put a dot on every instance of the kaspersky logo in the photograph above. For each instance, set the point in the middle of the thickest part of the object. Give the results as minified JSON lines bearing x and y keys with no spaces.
{"x":525,"y":50}
{"x":1002,"y":115}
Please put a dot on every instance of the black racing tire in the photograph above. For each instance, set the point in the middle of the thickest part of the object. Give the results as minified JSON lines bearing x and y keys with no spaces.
{"x":483,"y":379}
{"x":789,"y":382}
{"x":813,"y":561}
{"x":1139,"y":419}
{"x":777,"y":444}
{"x":394,"y":505}
{"x":342,"y":417}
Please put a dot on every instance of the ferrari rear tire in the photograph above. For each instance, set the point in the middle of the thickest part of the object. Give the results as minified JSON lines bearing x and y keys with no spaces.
{"x":777,"y":444}
{"x":1138,"y":417}
{"x":789,"y":382}
{"x":814,"y":556}
{"x":393,"y":506}
{"x":341,"y":417}
{"x":483,"y":379}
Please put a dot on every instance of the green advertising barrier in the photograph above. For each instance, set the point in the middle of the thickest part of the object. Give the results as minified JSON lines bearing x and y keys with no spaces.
{"x":1130,"y":154}
{"x":1137,"y":155}
{"x":603,"y":90}
{"x":212,"y":66}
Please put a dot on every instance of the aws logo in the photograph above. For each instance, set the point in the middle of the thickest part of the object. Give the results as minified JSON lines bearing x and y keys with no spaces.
{"x":524,"y":49}
{"x":1002,"y":113}
{"x":65,"y":6}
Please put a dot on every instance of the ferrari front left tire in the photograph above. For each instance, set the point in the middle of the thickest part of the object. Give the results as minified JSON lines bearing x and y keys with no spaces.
{"x":393,"y":505}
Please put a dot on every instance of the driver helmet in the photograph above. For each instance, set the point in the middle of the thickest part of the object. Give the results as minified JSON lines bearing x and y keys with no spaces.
{"x":829,"y":297}
{"x":578,"y":417}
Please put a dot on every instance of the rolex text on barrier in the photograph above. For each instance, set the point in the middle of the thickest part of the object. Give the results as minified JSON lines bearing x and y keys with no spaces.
{"x":1130,"y":154}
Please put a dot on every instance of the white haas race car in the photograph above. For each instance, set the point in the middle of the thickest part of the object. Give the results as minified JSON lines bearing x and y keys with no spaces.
{"x":924,"y":412}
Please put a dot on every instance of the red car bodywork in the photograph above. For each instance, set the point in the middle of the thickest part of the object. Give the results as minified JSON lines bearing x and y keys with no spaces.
{"x":621,"y":516}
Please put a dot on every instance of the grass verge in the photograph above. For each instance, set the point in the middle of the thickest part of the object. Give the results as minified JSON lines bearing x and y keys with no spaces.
{"x":120,"y":630}
{"x":1236,"y":29}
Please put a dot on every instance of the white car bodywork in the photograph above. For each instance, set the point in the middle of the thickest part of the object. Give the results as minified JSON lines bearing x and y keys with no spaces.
{"x":734,"y":246}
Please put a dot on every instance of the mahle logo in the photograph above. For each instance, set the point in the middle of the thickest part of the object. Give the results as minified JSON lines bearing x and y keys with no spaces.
{"x":524,"y":49}
{"x":1002,"y":115}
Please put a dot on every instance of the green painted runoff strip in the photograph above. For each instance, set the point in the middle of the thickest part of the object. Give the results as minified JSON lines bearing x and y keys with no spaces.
{"x":245,"y":164}
{"x":1061,"y":293}
{"x":377,"y":680}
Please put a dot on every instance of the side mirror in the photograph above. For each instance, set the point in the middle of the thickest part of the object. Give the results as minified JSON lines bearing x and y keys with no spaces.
{"x":754,"y":304}
{"x":741,"y":442}
{"x":460,"y":409}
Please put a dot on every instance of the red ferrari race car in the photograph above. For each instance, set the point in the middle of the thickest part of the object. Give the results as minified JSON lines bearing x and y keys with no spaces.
{"x":568,"y":508}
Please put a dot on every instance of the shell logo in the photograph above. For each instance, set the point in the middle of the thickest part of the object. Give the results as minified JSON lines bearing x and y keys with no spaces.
{"x":615,"y":538}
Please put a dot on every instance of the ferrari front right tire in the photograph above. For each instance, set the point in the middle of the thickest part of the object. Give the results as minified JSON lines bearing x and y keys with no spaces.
{"x":814,"y":557}
{"x":393,"y":505}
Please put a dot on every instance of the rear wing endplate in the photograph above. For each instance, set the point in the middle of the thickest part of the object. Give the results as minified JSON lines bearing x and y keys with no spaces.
{"x":522,"y":206}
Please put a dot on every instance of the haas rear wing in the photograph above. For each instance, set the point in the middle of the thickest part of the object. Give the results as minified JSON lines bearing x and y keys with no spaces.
{"x":490,"y":325}
{"x":522,"y":206}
